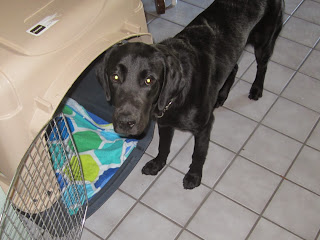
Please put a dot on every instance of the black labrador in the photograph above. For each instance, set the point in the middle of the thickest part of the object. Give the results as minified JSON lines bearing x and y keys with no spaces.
{"x":180,"y":81}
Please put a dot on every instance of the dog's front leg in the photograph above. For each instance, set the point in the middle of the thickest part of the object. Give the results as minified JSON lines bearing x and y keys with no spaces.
{"x":193,"y":177}
{"x":155,"y":165}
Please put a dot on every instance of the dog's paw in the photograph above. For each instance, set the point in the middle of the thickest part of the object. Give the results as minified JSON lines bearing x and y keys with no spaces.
{"x":191,"y":180}
{"x":255,"y":93}
{"x":153,"y":167}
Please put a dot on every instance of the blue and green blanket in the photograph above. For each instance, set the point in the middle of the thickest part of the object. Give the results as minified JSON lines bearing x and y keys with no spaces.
{"x":101,"y":150}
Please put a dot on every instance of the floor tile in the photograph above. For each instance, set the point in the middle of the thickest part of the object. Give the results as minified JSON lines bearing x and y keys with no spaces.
{"x":88,"y":235}
{"x":239,"y":102}
{"x":301,"y":31}
{"x":291,"y":5}
{"x":289,"y":53}
{"x":168,"y":197}
{"x":220,"y":218}
{"x":244,"y":62}
{"x":311,"y":66}
{"x":187,"y":236}
{"x":136,"y":183}
{"x":248,"y":184}
{"x":291,"y":119}
{"x":266,"y":230}
{"x":179,"y":139}
{"x":217,"y":161}
{"x":183,"y":13}
{"x":149,"y":18}
{"x":305,"y":170}
{"x":103,"y":221}
{"x":200,"y":3}
{"x":271,"y":150}
{"x":309,"y":10}
{"x":314,"y":140}
{"x":249,"y":48}
{"x":304,"y":90}
{"x":143,"y":223}
{"x":295,"y":209}
{"x":276,"y":79}
{"x":230,"y":129}
{"x":168,"y":29}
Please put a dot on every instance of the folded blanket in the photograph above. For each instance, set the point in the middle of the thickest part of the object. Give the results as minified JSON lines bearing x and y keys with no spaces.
{"x":101,"y":151}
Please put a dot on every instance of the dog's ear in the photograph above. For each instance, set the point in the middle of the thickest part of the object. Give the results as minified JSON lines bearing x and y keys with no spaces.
{"x":172,"y":84}
{"x":101,"y":72}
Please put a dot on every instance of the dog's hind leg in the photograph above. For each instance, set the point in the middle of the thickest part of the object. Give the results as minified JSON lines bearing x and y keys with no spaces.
{"x":193,"y":177}
{"x":263,"y":51}
{"x":165,"y":138}
{"x":224,"y":91}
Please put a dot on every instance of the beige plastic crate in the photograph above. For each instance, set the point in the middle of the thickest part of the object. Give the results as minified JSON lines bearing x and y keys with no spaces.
{"x":44,"y":46}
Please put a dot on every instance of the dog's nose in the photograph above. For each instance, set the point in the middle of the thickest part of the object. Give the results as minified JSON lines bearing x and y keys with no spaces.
{"x":127,"y":123}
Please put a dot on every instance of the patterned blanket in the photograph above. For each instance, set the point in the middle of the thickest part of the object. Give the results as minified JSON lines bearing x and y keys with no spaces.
{"x":101,"y":150}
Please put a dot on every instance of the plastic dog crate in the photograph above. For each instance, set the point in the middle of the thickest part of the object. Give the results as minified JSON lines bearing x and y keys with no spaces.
{"x":48,"y":51}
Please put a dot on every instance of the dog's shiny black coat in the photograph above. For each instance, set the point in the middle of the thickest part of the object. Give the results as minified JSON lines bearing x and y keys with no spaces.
{"x":180,"y":81}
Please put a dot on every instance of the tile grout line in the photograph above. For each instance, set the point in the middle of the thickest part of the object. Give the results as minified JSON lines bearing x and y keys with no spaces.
{"x":279,"y":185}
{"x":152,"y":209}
{"x":269,"y":220}
{"x":278,"y":96}
{"x":262,"y":124}
{"x":93,"y":233}
{"x":283,"y":176}
{"x":266,"y":168}
{"x":281,"y":64}
{"x":138,"y":200}
{"x":124,"y":217}
{"x":160,"y":15}
{"x":302,"y":146}
{"x":195,"y":5}
{"x":306,"y":20}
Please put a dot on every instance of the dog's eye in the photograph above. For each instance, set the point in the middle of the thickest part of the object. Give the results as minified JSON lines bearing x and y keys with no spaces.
{"x":148,"y":80}
{"x":115,"y":77}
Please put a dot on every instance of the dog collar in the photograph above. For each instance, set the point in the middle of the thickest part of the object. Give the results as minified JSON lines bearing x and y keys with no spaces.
{"x":164,"y":110}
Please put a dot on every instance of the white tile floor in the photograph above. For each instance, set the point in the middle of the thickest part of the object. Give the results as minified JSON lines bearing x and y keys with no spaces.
{"x":261,"y":179}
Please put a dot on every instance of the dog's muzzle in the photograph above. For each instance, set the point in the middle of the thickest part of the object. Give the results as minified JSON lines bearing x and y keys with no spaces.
{"x":129,"y":124}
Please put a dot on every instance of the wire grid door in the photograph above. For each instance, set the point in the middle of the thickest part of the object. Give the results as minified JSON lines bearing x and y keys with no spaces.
{"x":47,"y":198}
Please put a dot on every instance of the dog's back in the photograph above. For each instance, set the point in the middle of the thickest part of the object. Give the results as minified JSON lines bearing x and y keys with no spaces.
{"x":226,"y":25}
{"x":220,"y":33}
{"x":235,"y":18}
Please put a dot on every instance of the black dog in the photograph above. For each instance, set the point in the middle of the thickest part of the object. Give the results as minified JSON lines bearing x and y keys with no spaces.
{"x":181,"y":80}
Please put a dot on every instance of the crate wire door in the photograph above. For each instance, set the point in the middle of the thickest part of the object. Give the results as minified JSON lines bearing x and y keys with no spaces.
{"x":47,"y":198}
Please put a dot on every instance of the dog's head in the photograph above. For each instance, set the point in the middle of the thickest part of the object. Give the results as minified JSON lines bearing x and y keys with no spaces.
{"x":139,"y":80}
